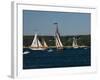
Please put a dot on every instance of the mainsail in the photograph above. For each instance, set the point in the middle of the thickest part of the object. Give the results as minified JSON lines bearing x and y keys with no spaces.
{"x":57,"y":38}
{"x":58,"y":41}
{"x":36,"y":43}
{"x":74,"y":44}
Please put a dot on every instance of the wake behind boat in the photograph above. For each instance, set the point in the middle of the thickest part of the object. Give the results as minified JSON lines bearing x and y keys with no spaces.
{"x":26,"y":52}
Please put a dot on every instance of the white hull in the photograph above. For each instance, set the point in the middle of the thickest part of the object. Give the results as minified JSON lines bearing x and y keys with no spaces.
{"x":38,"y":48}
{"x":76,"y":47}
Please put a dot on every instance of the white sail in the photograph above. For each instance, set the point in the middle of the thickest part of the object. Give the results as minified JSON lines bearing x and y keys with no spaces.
{"x":58,"y":41}
{"x":45,"y":44}
{"x":39,"y":44}
{"x":57,"y":38}
{"x":75,"y":45}
{"x":36,"y":44}
{"x":35,"y":41}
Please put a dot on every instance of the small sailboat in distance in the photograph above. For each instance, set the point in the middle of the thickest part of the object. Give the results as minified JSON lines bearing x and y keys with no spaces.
{"x":36,"y":44}
{"x":74,"y":44}
{"x":58,"y":42}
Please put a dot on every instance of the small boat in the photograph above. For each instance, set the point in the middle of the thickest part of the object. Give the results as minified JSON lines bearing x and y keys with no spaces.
{"x":36,"y":44}
{"x":74,"y":44}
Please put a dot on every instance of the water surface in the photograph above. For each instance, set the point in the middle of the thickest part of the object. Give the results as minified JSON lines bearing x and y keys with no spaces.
{"x":53,"y":58}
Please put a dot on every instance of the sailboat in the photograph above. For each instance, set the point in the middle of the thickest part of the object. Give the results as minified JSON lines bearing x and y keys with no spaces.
{"x":36,"y":44}
{"x":74,"y":44}
{"x":58,"y":42}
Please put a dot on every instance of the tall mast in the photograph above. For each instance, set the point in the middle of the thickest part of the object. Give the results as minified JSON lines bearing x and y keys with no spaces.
{"x":57,"y":31}
{"x":57,"y":37}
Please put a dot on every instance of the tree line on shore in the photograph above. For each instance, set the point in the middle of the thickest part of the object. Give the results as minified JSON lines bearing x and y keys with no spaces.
{"x":82,"y":40}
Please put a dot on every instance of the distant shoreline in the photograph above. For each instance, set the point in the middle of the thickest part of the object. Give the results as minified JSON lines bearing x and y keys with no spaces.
{"x":82,"y":40}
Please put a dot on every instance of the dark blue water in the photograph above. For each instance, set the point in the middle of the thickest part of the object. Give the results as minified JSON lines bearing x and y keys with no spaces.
{"x":53,"y":58}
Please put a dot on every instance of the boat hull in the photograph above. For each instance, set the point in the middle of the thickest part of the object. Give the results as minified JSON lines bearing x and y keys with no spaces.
{"x":37,"y":48}
{"x":76,"y":47}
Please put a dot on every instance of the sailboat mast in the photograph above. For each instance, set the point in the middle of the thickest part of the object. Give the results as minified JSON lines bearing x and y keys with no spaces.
{"x":57,"y":37}
{"x":57,"y":31}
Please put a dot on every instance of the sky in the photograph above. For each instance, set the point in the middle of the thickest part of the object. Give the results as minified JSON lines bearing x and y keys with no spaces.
{"x":42,"y":23}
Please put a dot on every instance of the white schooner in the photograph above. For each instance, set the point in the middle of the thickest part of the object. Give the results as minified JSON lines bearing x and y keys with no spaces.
{"x":36,"y":44}
{"x":74,"y":44}
{"x":58,"y":42}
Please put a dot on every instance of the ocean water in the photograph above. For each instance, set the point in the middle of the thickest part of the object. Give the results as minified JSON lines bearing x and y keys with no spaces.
{"x":53,"y":58}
